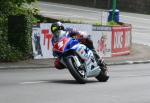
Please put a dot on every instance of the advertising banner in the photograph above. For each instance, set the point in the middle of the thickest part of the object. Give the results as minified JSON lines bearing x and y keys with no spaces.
{"x":121,"y":40}
{"x":41,"y":38}
{"x":108,"y":41}
{"x":41,"y":41}
{"x":36,"y":41}
{"x":101,"y":36}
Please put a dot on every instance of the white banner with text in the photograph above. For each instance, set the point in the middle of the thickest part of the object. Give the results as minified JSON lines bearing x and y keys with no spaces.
{"x":108,"y":41}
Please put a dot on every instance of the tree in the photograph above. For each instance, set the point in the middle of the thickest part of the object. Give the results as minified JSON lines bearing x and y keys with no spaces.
{"x":17,"y":2}
{"x":9,"y":7}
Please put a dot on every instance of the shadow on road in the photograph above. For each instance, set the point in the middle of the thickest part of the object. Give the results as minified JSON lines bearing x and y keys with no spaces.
{"x":66,"y":81}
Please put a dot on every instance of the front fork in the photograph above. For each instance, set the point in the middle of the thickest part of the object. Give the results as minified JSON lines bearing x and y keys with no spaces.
{"x":75,"y":58}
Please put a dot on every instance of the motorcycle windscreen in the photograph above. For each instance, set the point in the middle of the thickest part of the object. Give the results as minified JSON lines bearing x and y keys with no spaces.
{"x":64,"y":45}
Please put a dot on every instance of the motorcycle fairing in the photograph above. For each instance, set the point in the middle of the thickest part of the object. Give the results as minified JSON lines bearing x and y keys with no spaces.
{"x":87,"y":55}
{"x":66,"y":44}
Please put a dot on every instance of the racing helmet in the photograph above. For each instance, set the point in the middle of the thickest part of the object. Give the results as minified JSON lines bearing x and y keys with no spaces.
{"x":56,"y":28}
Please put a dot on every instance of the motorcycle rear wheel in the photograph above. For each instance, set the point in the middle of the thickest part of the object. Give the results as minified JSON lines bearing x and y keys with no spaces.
{"x":103,"y":75}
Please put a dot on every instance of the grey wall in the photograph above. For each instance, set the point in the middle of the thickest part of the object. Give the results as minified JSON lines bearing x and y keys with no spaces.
{"x":139,"y":6}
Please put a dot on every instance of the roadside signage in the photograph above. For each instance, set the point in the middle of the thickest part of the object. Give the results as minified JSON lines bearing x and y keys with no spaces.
{"x":121,"y":40}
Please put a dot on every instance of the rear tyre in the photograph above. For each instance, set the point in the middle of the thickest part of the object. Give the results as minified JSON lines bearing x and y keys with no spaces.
{"x":78,"y":73}
{"x":103,"y":75}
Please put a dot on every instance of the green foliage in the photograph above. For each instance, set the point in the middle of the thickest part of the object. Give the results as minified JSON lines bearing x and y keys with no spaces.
{"x":97,"y":23}
{"x":19,"y":35}
{"x":27,"y":41}
{"x":20,"y":48}
{"x":112,"y":23}
{"x":7,"y":53}
{"x":35,"y":20}
{"x":40,"y":18}
{"x":17,"y":2}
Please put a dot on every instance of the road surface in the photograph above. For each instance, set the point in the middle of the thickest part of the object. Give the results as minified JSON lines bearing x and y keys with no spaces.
{"x":127,"y":84}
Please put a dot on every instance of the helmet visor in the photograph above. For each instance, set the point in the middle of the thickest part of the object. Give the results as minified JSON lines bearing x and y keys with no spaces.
{"x":54,"y":29}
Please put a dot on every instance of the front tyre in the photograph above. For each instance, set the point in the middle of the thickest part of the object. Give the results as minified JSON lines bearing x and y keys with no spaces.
{"x":78,"y":73}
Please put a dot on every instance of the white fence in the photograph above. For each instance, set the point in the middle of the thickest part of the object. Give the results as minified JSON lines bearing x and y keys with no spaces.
{"x":108,"y":41}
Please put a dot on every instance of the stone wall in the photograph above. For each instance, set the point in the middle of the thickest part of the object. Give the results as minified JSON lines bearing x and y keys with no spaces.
{"x":138,"y":6}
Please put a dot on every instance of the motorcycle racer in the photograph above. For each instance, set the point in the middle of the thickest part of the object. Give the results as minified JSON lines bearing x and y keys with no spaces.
{"x":59,"y":31}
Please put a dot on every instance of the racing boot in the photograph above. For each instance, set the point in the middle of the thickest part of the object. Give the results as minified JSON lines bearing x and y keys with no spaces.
{"x":100,"y":61}
{"x":58,"y":65}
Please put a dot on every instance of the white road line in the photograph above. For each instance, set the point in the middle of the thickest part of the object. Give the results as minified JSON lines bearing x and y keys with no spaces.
{"x":35,"y":82}
{"x":135,"y":17}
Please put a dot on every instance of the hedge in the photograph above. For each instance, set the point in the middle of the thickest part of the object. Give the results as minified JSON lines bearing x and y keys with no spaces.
{"x":19,"y":33}
{"x":15,"y":29}
{"x":15,"y":38}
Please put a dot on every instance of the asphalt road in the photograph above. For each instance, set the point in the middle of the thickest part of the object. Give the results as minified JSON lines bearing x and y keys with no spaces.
{"x":140,"y":22}
{"x":127,"y":84}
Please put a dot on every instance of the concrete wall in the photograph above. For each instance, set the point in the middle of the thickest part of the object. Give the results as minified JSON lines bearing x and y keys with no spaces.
{"x":139,"y":6}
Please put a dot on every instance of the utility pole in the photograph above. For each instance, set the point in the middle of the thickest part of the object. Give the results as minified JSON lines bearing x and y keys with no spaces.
{"x":113,"y":8}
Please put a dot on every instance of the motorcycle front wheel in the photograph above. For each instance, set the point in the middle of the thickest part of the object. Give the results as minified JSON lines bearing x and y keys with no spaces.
{"x":78,"y":73}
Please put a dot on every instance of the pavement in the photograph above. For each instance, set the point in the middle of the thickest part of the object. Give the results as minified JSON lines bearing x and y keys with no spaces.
{"x":139,"y":54}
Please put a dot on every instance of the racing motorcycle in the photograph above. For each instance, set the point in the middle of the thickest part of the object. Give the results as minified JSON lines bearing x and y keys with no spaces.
{"x":79,"y":60}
